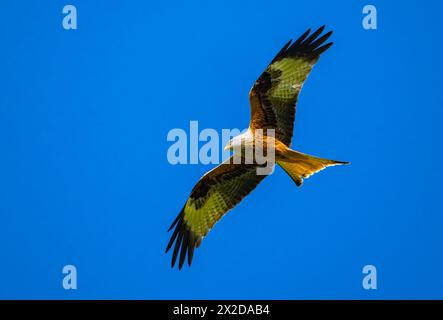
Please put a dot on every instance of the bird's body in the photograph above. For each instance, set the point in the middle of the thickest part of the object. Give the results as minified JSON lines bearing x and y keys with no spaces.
{"x":272,"y":101}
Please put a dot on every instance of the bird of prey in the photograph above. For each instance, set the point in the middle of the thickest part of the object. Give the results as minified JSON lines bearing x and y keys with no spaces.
{"x":272,"y":99}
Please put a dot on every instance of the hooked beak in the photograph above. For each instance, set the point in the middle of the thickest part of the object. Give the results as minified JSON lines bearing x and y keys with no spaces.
{"x":227,"y":147}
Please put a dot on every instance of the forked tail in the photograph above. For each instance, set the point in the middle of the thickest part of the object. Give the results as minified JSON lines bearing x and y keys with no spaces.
{"x":300,"y":166}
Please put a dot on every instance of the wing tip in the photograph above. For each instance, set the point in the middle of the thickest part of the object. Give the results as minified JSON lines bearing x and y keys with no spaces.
{"x":309,"y":45}
{"x":183,"y":239}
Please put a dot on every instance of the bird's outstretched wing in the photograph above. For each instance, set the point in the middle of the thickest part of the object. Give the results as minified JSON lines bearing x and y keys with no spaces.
{"x":218,"y":191}
{"x":274,"y":95}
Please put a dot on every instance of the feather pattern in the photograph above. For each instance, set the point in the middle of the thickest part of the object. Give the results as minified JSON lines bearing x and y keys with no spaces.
{"x":218,"y":191}
{"x":274,"y":96}
{"x":273,"y":99}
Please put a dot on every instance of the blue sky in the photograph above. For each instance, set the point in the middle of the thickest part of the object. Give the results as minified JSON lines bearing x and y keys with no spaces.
{"x":84,"y":177}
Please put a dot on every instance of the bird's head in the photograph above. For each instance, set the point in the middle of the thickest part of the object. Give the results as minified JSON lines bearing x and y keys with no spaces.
{"x":228,"y":146}
{"x":233,"y":143}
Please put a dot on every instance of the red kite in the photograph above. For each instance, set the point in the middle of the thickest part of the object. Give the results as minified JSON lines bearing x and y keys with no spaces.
{"x":273,"y":99}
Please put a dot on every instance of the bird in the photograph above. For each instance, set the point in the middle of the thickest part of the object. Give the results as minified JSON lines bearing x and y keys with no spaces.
{"x":273,"y":99}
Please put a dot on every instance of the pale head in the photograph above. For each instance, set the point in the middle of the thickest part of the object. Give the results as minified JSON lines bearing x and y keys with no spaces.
{"x":234,"y":143}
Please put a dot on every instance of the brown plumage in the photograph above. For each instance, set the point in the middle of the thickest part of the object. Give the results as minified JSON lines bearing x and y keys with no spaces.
{"x":272,"y":100}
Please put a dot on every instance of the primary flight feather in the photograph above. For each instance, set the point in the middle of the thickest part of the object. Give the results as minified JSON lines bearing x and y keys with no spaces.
{"x":273,"y":99}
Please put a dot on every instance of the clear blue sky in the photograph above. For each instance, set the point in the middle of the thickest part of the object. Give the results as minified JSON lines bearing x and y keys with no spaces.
{"x":84,"y":178}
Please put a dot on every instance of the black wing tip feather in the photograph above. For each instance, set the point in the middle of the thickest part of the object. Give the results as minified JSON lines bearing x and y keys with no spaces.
{"x":185,"y":242}
{"x":309,"y":45}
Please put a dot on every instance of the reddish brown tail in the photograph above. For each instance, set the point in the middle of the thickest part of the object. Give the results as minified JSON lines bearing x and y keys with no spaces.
{"x":300,"y":166}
